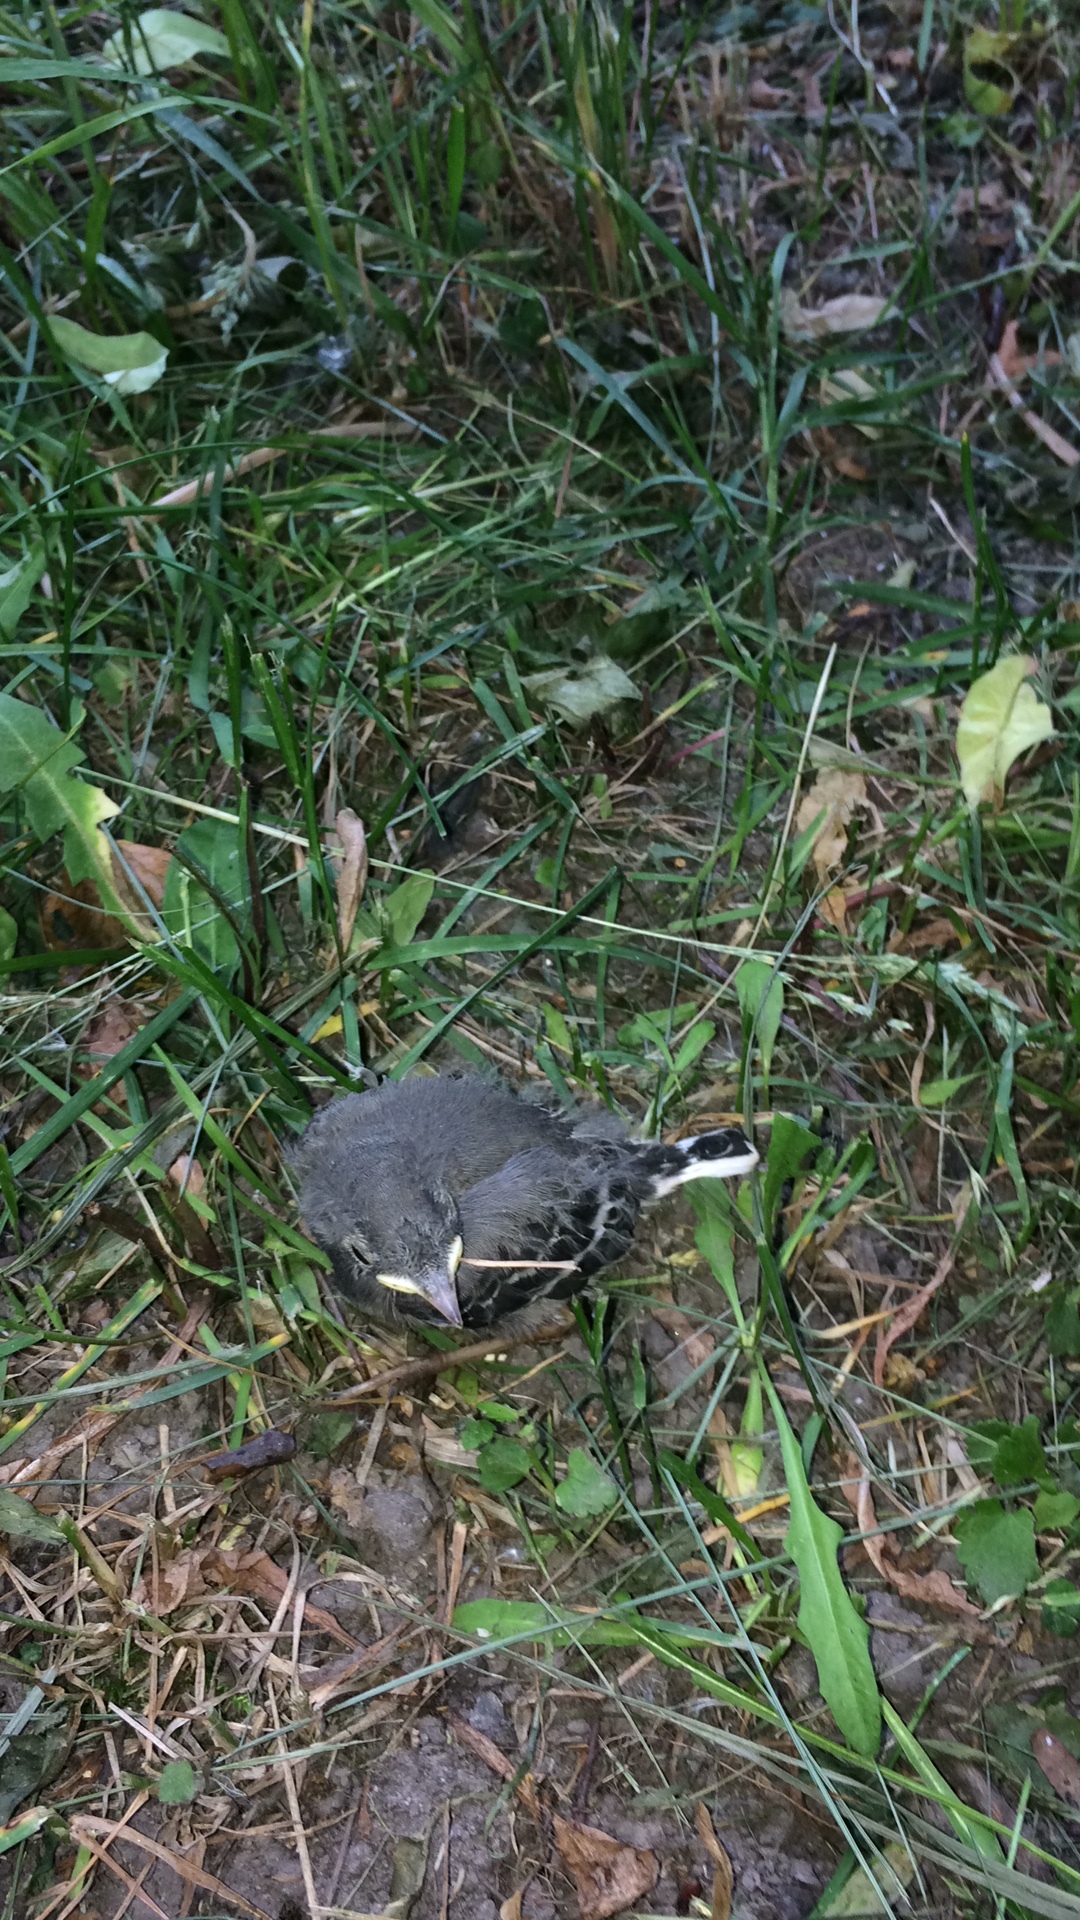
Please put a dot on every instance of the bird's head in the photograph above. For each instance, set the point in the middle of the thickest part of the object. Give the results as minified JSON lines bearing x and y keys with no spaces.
{"x":397,"y":1236}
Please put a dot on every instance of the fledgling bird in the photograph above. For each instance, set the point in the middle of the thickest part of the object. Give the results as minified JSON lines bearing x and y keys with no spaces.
{"x":451,"y":1200}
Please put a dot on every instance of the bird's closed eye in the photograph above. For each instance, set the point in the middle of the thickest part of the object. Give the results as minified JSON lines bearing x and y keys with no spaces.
{"x":359,"y":1249}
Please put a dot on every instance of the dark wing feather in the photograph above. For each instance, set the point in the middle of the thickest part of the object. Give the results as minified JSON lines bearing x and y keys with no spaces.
{"x":544,"y":1206}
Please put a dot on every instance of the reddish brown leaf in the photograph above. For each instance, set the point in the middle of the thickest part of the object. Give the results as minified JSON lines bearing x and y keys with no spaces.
{"x":149,"y":866}
{"x":73,"y":918}
{"x":110,"y":1030}
{"x":1058,"y":1764}
{"x":608,"y":1876}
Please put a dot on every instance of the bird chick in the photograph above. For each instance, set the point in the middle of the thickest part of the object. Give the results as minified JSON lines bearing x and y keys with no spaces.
{"x":450,"y":1200}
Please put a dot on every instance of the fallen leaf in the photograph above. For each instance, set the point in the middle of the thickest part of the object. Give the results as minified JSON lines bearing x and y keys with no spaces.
{"x":845,"y":384}
{"x":933,"y":1589}
{"x":172,"y":1583}
{"x":761,"y":95}
{"x":848,"y":313}
{"x":73,"y":920}
{"x":162,"y":37}
{"x":1002,"y":716}
{"x":249,"y":1571}
{"x":861,"y":1894}
{"x":494,"y":1757}
{"x":722,"y":1878}
{"x":269,"y":1449}
{"x":1058,"y":1764}
{"x":149,"y":866}
{"x":346,"y":1497}
{"x":188,"y":1174}
{"x":352,"y":878}
{"x":991,"y":198}
{"x":1017,"y":364}
{"x":835,"y":795}
{"x":989,"y":81}
{"x":108,"y":1034}
{"x":608,"y":1876}
{"x":695,"y":1342}
{"x":907,"y":1316}
{"x":126,"y":362}
{"x":1061,"y":448}
{"x":581,"y":694}
{"x":511,"y":1907}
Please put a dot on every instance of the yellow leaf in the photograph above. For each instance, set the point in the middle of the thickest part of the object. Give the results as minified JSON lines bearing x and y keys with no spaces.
{"x":1001,"y":718}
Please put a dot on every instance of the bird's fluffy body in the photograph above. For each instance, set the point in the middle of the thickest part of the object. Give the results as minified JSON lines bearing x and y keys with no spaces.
{"x":426,"y":1176}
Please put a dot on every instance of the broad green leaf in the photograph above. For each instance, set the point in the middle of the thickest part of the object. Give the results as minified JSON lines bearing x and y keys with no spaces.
{"x":695,"y":1043}
{"x":1018,"y":1456}
{"x":1063,"y":1327}
{"x":996,"y":1549}
{"x":477,"y":1433}
{"x":1002,"y":716}
{"x":20,"y":1519}
{"x":761,"y":999}
{"x":586,"y":1489}
{"x":580,"y":693}
{"x":989,"y":81}
{"x":1055,"y":1510}
{"x":9,"y":934}
{"x":37,"y":759}
{"x":501,"y":1619}
{"x":406,"y":907}
{"x":837,"y":1635}
{"x":789,"y":1145}
{"x":17,"y":589}
{"x":127,"y":362}
{"x":161,"y":38}
{"x":557,"y":1030}
{"x":189,"y":911}
{"x":1061,"y":1608}
{"x":502,"y":1463}
{"x":715,"y":1234}
{"x":934,"y":1093}
{"x":178,"y":1784}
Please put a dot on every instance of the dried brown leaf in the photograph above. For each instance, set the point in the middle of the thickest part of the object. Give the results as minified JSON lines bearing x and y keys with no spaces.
{"x":608,"y":1876}
{"x":848,"y":313}
{"x":352,"y":878}
{"x":1016,"y":363}
{"x":1059,"y":1765}
{"x":249,"y":1571}
{"x":835,"y":795}
{"x":269,"y":1449}
{"x":109,"y":1032}
{"x":149,"y":866}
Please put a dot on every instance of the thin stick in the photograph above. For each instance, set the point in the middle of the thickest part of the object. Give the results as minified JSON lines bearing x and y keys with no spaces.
{"x":430,"y":1366}
{"x":527,"y":1266}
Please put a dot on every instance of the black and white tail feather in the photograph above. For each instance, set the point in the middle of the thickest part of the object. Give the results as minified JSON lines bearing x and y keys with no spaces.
{"x":451,"y":1197}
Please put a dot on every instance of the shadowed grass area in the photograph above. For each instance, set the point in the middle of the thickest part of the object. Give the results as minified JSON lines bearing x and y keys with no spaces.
{"x":599,"y":450}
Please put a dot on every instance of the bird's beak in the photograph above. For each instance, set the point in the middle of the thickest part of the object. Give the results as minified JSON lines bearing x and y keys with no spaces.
{"x":439,"y":1289}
